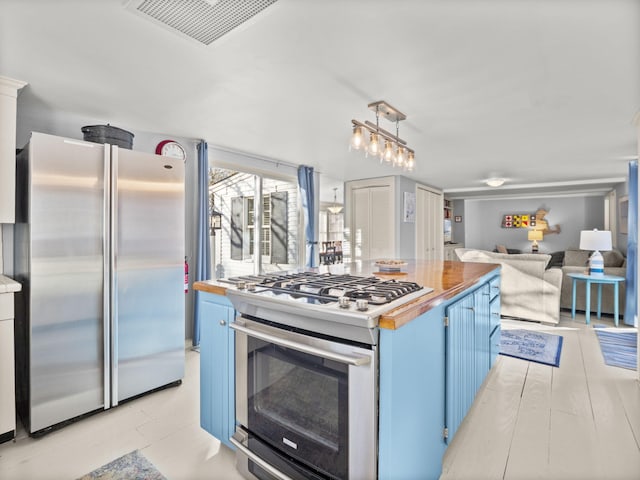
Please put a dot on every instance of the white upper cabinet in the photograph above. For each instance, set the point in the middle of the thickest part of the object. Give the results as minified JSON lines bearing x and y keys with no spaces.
{"x":8,"y":109}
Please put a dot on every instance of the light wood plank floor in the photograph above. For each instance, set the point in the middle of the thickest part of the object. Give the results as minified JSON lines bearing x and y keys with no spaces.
{"x":579,"y":421}
{"x":531,"y":421}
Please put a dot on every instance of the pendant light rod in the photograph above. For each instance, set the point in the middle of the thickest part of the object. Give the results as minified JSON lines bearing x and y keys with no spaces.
{"x":383,"y":133}
{"x":386,"y":133}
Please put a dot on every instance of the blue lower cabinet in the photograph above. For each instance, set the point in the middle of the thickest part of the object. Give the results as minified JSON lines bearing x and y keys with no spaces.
{"x":430,"y":371}
{"x":217,"y":366}
{"x":468,"y":351}
{"x":411,"y":403}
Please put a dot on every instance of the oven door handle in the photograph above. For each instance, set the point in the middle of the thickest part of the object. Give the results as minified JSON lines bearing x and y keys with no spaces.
{"x":258,"y":461}
{"x":338,"y":357}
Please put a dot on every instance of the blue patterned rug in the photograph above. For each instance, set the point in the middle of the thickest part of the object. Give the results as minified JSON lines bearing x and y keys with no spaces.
{"x":132,"y":466}
{"x":619,"y":349}
{"x":532,"y":346}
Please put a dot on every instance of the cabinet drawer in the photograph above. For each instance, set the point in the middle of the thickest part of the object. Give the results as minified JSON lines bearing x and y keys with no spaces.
{"x":494,"y":287}
{"x":494,"y":308}
{"x":6,"y":306}
{"x":494,"y":340}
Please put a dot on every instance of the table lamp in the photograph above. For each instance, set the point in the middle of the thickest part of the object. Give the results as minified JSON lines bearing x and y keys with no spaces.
{"x":595,"y":240}
{"x":534,"y":236}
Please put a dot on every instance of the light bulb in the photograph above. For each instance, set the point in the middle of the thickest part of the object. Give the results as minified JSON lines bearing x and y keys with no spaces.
{"x":388,"y":151}
{"x":374,"y":144}
{"x":401,"y":156}
{"x":411,"y":161}
{"x":357,"y":139}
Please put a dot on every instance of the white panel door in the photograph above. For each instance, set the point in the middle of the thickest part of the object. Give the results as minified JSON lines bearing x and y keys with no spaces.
{"x":429,"y":225}
{"x":360,"y":232}
{"x":371,"y":221}
{"x":381,"y":232}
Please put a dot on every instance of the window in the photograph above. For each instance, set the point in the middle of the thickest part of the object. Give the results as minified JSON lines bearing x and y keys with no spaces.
{"x":265,"y":239}
{"x":239,"y":247}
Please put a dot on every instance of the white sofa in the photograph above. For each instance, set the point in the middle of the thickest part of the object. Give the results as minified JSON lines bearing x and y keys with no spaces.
{"x":527,"y":289}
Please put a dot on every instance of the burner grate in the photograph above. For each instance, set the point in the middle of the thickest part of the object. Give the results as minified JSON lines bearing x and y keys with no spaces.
{"x":329,"y":287}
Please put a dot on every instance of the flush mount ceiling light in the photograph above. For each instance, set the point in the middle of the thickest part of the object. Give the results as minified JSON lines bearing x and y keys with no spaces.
{"x":368,"y":136}
{"x":335,"y":208}
{"x":495,"y":182}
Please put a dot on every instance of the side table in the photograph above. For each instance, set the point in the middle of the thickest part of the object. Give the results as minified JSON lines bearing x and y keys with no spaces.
{"x":598,"y":280}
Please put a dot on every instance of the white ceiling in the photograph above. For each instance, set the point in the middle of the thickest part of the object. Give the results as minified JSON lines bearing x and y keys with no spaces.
{"x":536,"y":91}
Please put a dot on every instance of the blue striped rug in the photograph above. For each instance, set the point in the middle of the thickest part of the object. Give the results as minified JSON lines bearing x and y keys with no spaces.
{"x":619,"y":349}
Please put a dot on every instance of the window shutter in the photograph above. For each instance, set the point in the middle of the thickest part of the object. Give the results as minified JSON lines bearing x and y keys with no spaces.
{"x":279,"y":227}
{"x":236,"y":228}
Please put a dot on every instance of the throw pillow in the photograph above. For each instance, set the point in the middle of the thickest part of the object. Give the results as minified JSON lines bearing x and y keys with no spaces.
{"x":612,"y":258}
{"x":501,"y":249}
{"x":557,"y":259}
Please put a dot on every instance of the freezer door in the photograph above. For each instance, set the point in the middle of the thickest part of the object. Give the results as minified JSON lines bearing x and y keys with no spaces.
{"x":148,"y":261}
{"x":59,"y":254}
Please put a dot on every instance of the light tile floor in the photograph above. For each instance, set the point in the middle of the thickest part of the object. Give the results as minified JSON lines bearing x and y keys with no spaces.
{"x":579,"y":421}
{"x":163,"y":425}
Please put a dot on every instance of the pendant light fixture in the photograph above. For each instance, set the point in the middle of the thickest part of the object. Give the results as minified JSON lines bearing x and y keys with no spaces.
{"x":357,"y":139}
{"x":335,"y":208}
{"x":395,"y":151}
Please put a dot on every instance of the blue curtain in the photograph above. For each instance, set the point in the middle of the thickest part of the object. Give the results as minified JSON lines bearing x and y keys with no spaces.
{"x":631,"y":306}
{"x":202,"y":260}
{"x":307,"y":191}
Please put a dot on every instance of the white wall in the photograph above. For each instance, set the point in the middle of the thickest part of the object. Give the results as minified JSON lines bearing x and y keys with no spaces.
{"x":482,"y":221}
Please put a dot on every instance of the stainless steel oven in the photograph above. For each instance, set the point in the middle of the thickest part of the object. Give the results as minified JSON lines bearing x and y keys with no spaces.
{"x":307,"y":373}
{"x":306,"y":404}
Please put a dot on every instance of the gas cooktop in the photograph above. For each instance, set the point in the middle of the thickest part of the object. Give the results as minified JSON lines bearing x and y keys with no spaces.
{"x":319,"y":301}
{"x":327,"y":287}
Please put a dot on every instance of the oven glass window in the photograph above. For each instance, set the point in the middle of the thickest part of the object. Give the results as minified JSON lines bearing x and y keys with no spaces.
{"x":299,"y":404}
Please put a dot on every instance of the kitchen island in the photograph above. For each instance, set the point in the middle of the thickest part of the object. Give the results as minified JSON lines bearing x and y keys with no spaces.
{"x":433,"y":353}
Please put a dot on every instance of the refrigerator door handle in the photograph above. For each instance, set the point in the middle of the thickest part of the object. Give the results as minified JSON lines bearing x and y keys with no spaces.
{"x":106,"y":279}
{"x":113,"y":188}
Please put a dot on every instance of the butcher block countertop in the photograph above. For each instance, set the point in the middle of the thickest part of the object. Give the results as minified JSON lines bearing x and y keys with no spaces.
{"x":447,"y":279}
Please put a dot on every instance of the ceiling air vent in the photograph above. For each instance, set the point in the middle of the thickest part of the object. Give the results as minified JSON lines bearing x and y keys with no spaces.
{"x":202,"y":20}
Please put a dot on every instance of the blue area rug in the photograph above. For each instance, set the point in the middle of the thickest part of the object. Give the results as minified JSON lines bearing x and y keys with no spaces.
{"x":132,"y":466}
{"x":619,"y":349}
{"x":533,"y":346}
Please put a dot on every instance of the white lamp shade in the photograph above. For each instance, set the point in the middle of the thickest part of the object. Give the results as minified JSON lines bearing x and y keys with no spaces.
{"x":595,"y":240}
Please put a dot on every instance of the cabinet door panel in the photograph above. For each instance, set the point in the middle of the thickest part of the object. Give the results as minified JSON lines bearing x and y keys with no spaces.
{"x":482,"y":333}
{"x":217,"y":372}
{"x":460,"y":364}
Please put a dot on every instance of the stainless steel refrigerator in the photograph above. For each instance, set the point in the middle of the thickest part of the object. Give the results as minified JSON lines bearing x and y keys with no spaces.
{"x":99,"y":251}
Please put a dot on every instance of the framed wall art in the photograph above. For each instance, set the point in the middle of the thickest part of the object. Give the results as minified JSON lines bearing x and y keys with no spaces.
{"x":409,"y":211}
